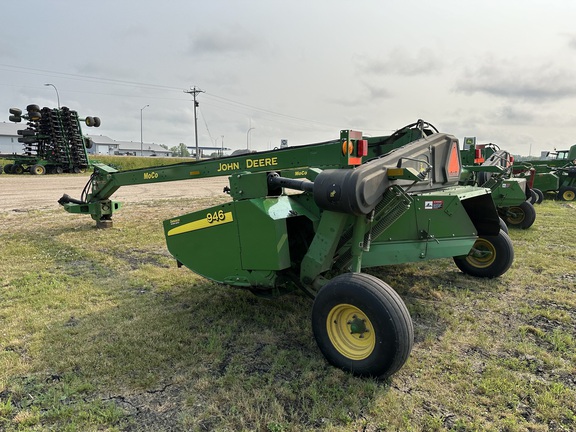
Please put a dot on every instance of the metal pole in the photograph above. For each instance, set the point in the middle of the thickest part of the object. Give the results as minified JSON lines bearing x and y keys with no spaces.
{"x":57,"y":95}
{"x":196,"y":126}
{"x":194,"y":91}
{"x":141,"y":141}
{"x":222,"y":152}
{"x":247,"y":146}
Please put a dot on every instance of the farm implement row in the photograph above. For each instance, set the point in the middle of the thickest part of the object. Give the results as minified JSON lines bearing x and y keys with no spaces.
{"x":52,"y":141}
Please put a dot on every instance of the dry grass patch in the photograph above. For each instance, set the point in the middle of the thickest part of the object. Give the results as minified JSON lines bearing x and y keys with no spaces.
{"x":101,"y":331}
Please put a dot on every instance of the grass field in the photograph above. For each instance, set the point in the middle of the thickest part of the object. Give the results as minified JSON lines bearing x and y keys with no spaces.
{"x":125,"y":162}
{"x":100,"y":331}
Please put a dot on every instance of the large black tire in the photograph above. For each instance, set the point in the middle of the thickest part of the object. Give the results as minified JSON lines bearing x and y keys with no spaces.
{"x":522,"y":216}
{"x":540,"y":195}
{"x":362,"y":325}
{"x":26,"y":132}
{"x":8,"y":168}
{"x":490,"y":257}
{"x":483,"y":177}
{"x":28,"y":139}
{"x":32,"y":108}
{"x":503,"y":225}
{"x":17,"y":169}
{"x":15,"y":111}
{"x":89,"y":121}
{"x":533,"y":197}
{"x":34,"y":115}
{"x":15,"y":119}
{"x":37,"y":170}
{"x":567,"y":193}
{"x":97,"y":122}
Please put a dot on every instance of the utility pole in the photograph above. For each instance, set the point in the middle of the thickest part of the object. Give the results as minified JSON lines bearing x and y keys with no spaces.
{"x":141,"y":142}
{"x":194,"y":91}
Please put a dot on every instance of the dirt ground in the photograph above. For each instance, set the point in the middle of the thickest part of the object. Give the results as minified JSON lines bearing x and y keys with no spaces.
{"x":26,"y":192}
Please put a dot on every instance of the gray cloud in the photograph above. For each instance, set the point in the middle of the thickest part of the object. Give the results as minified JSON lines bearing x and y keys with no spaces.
{"x":230,"y":41}
{"x":572,"y":41}
{"x":403,"y":62}
{"x":377,"y":91}
{"x":104,"y":69}
{"x":541,"y":82}
{"x":509,"y":114}
{"x":8,"y":50}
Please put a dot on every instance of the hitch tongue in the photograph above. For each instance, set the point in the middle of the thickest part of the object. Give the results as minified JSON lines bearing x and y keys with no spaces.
{"x":67,"y":199}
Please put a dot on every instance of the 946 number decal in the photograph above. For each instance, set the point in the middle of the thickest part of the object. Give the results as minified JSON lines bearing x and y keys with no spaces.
{"x":217,"y":216}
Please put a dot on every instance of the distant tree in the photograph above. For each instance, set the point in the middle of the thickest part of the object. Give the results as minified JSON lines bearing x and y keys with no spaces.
{"x":164,"y":146}
{"x":180,"y":150}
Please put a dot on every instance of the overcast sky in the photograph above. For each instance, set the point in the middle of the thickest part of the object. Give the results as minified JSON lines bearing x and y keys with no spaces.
{"x":503,"y":71}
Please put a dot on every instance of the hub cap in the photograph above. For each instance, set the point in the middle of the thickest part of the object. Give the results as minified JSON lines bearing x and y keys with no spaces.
{"x":568,"y":195}
{"x":483,"y":254}
{"x":515,"y":215}
{"x":350,"y":331}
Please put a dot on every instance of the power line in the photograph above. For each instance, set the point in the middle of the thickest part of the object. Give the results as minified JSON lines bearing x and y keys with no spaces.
{"x":265,"y":110}
{"x":86,"y":77}
{"x":218,"y":99}
{"x":90,"y":78}
{"x":206,"y":124}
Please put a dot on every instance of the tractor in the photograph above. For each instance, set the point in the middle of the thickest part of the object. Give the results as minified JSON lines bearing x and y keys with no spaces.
{"x":554,"y":174}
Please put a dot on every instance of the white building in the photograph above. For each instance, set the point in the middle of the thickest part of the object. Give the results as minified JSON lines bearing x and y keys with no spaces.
{"x":9,"y":138}
{"x":104,"y":145}
{"x":9,"y":144}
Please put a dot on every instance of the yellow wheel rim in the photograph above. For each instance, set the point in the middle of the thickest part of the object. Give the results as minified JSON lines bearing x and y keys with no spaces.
{"x":568,"y":195}
{"x":516,"y":215}
{"x":482,"y":255}
{"x":350,"y":332}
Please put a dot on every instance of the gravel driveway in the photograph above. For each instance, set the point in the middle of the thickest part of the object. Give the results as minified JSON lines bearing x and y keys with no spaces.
{"x":28,"y":192}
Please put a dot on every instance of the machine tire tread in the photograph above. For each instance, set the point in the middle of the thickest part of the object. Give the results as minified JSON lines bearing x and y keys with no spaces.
{"x":385,"y":309}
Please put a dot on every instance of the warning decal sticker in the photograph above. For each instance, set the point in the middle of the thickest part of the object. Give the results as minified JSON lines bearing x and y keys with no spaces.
{"x":433,"y":205}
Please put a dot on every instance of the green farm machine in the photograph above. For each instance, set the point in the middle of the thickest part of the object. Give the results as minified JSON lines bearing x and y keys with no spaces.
{"x":313,"y":217}
{"x":52,"y":140}
{"x":488,"y":166}
{"x":554,"y":174}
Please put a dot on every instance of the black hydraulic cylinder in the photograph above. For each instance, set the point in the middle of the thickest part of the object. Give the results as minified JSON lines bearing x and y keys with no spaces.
{"x":352,"y":191}
{"x":275,"y":181}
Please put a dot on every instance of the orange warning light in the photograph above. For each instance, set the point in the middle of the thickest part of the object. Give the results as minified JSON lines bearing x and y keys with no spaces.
{"x":347,"y":148}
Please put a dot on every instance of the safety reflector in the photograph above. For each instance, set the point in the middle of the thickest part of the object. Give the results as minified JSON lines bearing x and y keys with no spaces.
{"x":395,"y":172}
{"x":362,"y":148}
{"x":454,"y":161}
